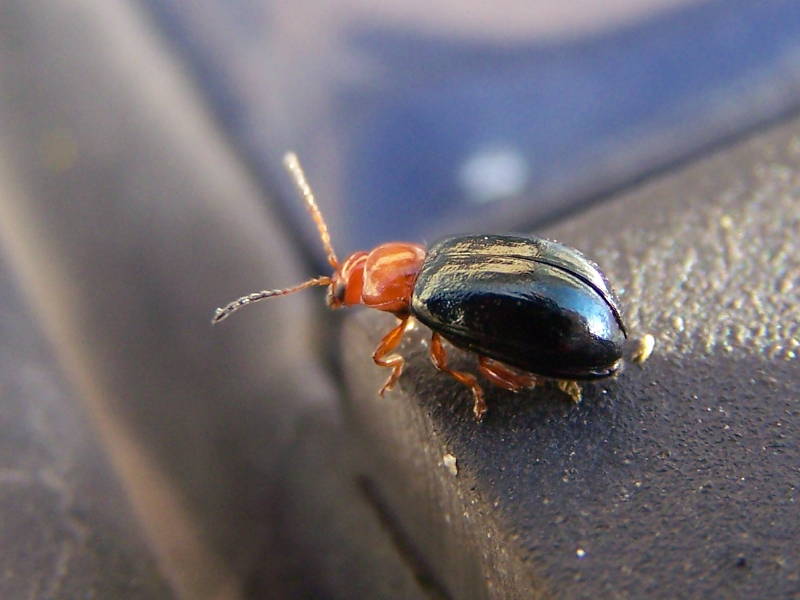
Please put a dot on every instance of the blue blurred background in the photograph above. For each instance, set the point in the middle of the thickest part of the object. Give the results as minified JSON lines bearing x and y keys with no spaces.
{"x":415,"y":121}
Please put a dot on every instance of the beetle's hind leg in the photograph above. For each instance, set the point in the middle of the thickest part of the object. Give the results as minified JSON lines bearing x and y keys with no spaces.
{"x":570,"y":388}
{"x":504,"y":376}
{"x":439,"y":359}
{"x":395,"y":362}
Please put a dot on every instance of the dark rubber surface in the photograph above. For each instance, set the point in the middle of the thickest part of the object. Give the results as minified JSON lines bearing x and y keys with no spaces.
{"x":679,"y":478}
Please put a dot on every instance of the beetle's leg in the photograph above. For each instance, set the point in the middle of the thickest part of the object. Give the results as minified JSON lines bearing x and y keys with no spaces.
{"x":439,"y":358}
{"x":504,"y":376}
{"x":389,"y":342}
{"x":570,"y":388}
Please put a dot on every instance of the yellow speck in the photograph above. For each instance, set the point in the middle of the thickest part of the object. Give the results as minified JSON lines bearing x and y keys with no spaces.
{"x":726,"y":222}
{"x":645,"y":349}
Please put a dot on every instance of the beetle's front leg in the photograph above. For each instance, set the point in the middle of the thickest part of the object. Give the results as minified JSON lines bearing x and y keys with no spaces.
{"x":389,"y":342}
{"x":439,"y":358}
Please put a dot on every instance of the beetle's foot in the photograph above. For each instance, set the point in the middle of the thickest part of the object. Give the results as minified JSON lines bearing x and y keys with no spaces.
{"x":479,"y":408}
{"x":397,"y":370}
{"x":570,"y":388}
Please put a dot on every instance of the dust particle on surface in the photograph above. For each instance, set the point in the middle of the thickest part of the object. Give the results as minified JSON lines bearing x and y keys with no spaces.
{"x":449,"y":462}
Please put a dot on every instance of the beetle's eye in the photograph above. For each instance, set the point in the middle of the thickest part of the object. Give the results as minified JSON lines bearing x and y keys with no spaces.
{"x":336,"y":293}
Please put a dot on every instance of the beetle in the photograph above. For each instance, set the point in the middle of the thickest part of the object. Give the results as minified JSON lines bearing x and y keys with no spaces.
{"x":529,"y":308}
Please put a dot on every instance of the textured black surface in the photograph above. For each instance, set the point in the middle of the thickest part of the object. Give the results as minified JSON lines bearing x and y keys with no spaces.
{"x":677,"y":479}
{"x":529,"y":302}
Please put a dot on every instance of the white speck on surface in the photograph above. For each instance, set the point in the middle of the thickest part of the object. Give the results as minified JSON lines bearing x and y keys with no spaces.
{"x":493,"y":173}
{"x":449,"y":462}
{"x":580,"y":552}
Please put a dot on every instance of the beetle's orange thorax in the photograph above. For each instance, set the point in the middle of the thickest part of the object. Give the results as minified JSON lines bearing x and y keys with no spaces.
{"x":382,"y":279}
{"x":390,"y":272}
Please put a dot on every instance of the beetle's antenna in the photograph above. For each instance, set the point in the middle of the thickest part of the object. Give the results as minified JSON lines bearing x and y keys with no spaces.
{"x":223,"y":313}
{"x":292,"y":164}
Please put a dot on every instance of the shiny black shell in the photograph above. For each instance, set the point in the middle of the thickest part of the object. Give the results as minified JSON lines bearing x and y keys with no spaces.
{"x":528,"y":302}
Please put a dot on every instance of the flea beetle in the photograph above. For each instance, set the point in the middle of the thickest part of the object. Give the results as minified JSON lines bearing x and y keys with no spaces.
{"x":527,"y":307}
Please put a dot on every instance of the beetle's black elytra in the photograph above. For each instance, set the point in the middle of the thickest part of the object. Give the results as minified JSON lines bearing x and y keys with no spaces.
{"x":528,"y":302}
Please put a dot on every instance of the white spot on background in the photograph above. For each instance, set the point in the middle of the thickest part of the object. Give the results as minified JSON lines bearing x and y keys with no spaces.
{"x":493,"y":173}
